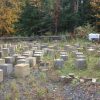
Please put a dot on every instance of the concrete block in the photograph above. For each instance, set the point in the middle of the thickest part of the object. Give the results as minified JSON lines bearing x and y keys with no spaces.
{"x":7,"y":69}
{"x":1,"y":75}
{"x":58,"y":63}
{"x":22,"y":70}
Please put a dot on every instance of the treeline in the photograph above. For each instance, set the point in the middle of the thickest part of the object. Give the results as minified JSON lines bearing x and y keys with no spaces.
{"x":45,"y":17}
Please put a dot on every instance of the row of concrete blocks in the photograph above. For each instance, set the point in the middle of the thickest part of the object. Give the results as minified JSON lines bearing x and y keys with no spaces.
{"x":80,"y":61}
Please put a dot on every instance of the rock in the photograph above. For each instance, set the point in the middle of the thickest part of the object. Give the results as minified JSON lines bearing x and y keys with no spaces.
{"x":71,"y":75}
{"x":22,"y":70}
{"x":66,"y":79}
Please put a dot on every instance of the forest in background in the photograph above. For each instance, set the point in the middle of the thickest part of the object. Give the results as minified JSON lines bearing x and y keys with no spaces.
{"x":48,"y":17}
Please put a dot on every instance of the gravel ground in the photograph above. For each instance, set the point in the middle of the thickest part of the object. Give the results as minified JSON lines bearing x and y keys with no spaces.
{"x":25,"y":89}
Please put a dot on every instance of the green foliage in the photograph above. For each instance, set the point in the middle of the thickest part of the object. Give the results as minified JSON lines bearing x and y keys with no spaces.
{"x":37,"y":17}
{"x":84,"y":30}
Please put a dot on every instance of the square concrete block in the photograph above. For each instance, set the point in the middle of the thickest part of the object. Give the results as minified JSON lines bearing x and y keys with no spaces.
{"x":22,"y":70}
{"x":11,"y":50}
{"x":22,"y":61}
{"x":2,"y":61}
{"x":58,"y":63}
{"x":5,"y":52}
{"x":7,"y":69}
{"x":21,"y":57}
{"x":9,"y":60}
{"x":32,"y":61}
{"x":1,"y":75}
{"x":39,"y":57}
{"x":1,"y":54}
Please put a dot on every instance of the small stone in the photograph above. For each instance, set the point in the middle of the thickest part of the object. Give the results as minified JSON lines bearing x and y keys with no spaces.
{"x":71,"y":75}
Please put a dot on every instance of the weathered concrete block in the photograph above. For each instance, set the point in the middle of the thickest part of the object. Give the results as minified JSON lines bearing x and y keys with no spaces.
{"x":32,"y":61}
{"x":81,"y":57}
{"x":9,"y":60}
{"x":43,"y":46}
{"x":21,"y":57}
{"x":22,"y":70}
{"x":80,"y":63}
{"x":39,"y":57}
{"x":63,"y":53}
{"x":27,"y":54}
{"x":11,"y":50}
{"x":51,"y":52}
{"x":5,"y":52}
{"x":80,"y":49}
{"x":58,"y":63}
{"x":1,"y":75}
{"x":22,"y":61}
{"x":91,"y":51}
{"x":7,"y":69}
{"x":98,"y":53}
{"x":64,"y":57}
{"x":2,"y":61}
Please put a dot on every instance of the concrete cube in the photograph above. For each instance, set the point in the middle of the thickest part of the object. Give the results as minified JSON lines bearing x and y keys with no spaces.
{"x":80,"y":63}
{"x":5,"y":52}
{"x":58,"y":63}
{"x":2,"y":61}
{"x":22,"y":70}
{"x":1,"y":75}
{"x":32,"y":61}
{"x":24,"y":61}
{"x":64,"y":57}
{"x":9,"y":60}
{"x":7,"y":69}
